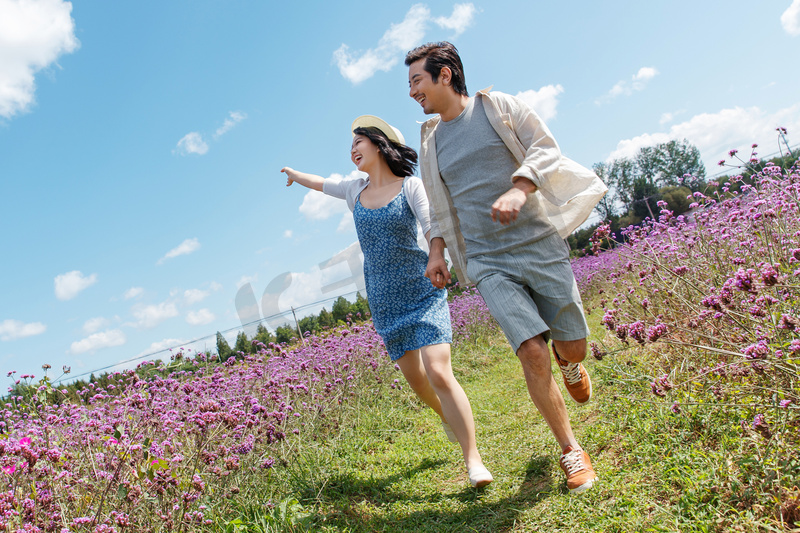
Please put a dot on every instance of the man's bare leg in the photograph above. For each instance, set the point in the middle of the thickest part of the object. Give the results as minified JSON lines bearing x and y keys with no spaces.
{"x":535,"y":358}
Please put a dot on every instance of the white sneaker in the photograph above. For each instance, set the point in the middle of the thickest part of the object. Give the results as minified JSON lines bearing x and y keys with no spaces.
{"x":479,"y":477}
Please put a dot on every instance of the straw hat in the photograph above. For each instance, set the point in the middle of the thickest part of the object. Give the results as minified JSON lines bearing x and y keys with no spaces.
{"x":371,"y":121}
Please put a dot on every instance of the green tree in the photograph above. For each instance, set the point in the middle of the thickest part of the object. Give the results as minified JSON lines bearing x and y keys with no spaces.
{"x":309,"y":323}
{"x":326,"y":319}
{"x":341,"y":308}
{"x":605,"y":207}
{"x":678,"y":159}
{"x":361,"y":306}
{"x":637,"y":183}
{"x":620,"y":175}
{"x":630,"y":219}
{"x":223,"y":348}
{"x":285,"y":333}
{"x":645,"y":198}
{"x":242,"y":345}
{"x":262,"y":335}
{"x":676,"y":198}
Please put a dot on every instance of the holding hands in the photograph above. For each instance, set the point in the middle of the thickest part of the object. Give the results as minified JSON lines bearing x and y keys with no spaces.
{"x":437,"y":270}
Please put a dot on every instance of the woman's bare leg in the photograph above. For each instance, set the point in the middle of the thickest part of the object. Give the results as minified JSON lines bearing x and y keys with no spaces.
{"x":454,"y":402}
{"x":414,"y":372}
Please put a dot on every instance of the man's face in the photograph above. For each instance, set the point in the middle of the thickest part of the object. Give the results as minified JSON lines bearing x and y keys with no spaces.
{"x":422,"y":88}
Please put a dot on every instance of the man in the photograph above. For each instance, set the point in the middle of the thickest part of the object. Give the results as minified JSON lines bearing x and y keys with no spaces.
{"x":482,"y":159}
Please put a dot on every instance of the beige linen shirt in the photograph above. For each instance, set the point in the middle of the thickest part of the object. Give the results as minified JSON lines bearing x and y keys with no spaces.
{"x":568,"y":191}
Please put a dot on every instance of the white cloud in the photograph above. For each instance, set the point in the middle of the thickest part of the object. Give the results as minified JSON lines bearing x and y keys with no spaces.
{"x":33,"y":33}
{"x":714,"y":134}
{"x":105,"y":339}
{"x":347,"y":223}
{"x":192,"y":143}
{"x":790,"y":19}
{"x":192,"y":296}
{"x":68,"y":285}
{"x":544,"y":101}
{"x":670,"y":116}
{"x":186,"y":247}
{"x":460,"y":19}
{"x":320,"y":206}
{"x":341,"y":274}
{"x":162,"y":345}
{"x":233,"y":119}
{"x":150,"y":316}
{"x":244,"y":280}
{"x":397,"y":40}
{"x":133,"y":292}
{"x":319,"y":284}
{"x":160,"y":350}
{"x":14,"y":329}
{"x":159,"y":346}
{"x":624,"y":87}
{"x":214,"y":286}
{"x":200,"y":318}
{"x":95,"y":324}
{"x":288,"y":234}
{"x":644,"y":74}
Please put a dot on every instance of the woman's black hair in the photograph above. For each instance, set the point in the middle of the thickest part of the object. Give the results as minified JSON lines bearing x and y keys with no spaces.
{"x":401,"y":159}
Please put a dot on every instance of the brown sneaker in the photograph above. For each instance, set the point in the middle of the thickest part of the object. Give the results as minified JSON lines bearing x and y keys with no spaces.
{"x":578,"y":468}
{"x":576,"y":379}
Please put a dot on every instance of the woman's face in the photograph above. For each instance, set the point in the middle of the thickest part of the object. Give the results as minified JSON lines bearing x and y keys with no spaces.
{"x":363,"y":153}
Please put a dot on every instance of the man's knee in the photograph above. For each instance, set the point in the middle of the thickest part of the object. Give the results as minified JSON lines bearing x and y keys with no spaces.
{"x":572,"y":351}
{"x":535,"y":357}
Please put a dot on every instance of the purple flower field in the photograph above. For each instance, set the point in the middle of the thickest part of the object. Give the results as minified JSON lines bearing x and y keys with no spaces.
{"x":700,"y":314}
{"x":156,"y":453}
{"x":713,"y":298}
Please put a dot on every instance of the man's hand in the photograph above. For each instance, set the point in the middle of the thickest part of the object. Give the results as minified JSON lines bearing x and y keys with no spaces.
{"x":506,"y":208}
{"x":437,"y":270}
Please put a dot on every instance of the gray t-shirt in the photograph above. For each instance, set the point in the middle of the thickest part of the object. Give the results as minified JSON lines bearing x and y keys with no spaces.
{"x":476,"y":166}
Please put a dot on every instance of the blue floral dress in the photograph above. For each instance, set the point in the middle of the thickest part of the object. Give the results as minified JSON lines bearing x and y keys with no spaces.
{"x":407,"y":310}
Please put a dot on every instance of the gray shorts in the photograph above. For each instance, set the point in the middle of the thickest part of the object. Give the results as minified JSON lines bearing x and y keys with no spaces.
{"x":531,"y":291}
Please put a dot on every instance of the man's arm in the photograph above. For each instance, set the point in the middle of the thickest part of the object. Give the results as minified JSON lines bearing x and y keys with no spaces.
{"x":506,"y":208}
{"x":542,"y":154}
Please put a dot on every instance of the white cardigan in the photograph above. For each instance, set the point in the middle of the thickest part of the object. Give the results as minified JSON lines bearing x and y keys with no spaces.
{"x":349,"y":189}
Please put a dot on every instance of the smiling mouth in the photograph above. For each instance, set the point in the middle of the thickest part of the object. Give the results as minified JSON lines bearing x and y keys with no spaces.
{"x":420,"y":100}
{"x":357,"y":159}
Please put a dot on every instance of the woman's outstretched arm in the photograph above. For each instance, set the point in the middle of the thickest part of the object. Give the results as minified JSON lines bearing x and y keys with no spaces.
{"x":312,"y":181}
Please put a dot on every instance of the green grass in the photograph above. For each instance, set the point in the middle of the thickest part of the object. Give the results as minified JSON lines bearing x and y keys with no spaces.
{"x":391,"y":468}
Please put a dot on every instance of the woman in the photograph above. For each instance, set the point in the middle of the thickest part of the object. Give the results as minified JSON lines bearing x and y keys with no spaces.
{"x":409,"y":313}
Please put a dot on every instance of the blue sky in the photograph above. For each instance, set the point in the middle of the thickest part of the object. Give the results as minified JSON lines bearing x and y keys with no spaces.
{"x":141,"y":143}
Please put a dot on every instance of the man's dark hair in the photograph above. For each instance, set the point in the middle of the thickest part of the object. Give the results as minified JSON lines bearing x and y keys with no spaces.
{"x":401,"y":159}
{"x":437,"y":56}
